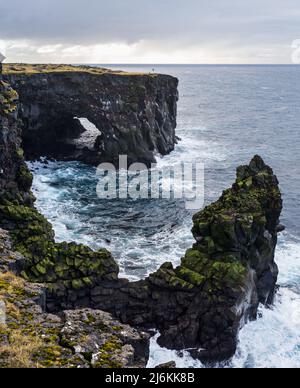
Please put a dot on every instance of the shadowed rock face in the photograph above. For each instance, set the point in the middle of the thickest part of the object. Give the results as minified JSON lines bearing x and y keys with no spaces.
{"x":29,"y":336}
{"x":134,"y":114}
{"x":202,"y":303}
{"x":199,"y":305}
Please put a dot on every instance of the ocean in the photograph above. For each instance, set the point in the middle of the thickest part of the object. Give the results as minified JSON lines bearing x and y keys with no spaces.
{"x":226,"y":115}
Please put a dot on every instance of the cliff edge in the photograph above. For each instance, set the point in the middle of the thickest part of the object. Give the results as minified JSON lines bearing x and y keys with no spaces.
{"x":93,"y":115}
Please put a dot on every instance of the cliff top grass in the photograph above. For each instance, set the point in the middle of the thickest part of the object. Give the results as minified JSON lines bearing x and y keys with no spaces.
{"x":29,"y":69}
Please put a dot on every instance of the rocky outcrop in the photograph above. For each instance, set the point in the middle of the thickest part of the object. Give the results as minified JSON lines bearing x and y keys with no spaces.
{"x":30,"y":337}
{"x":167,"y":365}
{"x":199,"y":305}
{"x":203,"y":303}
{"x":127,"y":114}
{"x":15,"y":179}
{"x":32,"y":235}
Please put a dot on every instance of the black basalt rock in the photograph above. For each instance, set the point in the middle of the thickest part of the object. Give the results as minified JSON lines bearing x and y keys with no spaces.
{"x":29,"y":337}
{"x":133,"y":114}
{"x":201,"y":304}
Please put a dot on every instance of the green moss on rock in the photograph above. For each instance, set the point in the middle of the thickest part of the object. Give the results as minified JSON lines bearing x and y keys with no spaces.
{"x":106,"y":357}
{"x":24,"y":177}
{"x":225,"y":232}
{"x":52,"y":262}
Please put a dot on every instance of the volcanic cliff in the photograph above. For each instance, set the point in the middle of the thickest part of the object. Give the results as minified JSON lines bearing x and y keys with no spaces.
{"x":125,"y":113}
{"x":199,"y":305}
{"x":29,"y":336}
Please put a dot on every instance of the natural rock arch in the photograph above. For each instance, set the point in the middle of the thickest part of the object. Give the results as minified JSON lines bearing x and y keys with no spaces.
{"x":135,"y":114}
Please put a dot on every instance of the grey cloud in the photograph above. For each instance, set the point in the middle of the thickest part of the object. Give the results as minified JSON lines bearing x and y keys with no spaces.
{"x":225,"y":29}
{"x":102,"y":21}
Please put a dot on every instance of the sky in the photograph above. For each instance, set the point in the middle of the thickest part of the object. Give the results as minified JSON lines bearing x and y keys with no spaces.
{"x":150,"y":31}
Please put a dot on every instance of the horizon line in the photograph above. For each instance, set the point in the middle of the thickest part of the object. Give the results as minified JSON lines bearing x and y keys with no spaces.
{"x":150,"y":64}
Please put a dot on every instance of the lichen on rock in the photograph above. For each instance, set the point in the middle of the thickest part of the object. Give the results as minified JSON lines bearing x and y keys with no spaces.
{"x":223,"y":277}
{"x":32,"y":338}
{"x":201,"y":304}
{"x":8,"y":98}
{"x":65,"y":265}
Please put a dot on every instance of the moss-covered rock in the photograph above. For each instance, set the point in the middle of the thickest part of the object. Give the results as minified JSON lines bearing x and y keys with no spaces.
{"x":70,"y":266}
{"x":222,"y":279}
{"x":50,"y":262}
{"x":31,"y":338}
{"x":134,"y":112}
{"x":8,"y":99}
{"x":198,"y":305}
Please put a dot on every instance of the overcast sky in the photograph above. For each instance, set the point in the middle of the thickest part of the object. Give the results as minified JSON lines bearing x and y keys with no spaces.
{"x":149,"y":31}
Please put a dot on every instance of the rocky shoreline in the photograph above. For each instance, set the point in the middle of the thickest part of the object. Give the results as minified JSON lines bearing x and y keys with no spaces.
{"x":84,"y":338}
{"x":199,"y":305}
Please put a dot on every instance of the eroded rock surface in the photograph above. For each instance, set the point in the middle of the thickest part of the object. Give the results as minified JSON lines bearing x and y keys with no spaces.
{"x":199,"y":305}
{"x":221,"y":280}
{"x":29,"y":336}
{"x":135,"y":114}
{"x":15,"y":179}
{"x":32,"y":338}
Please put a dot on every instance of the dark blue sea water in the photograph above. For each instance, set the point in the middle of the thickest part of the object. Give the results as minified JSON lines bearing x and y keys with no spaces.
{"x":226,"y":114}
